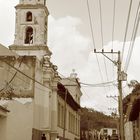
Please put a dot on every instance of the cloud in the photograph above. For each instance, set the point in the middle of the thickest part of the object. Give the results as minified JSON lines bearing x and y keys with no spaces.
{"x":70,"y":49}
{"x":7,"y":21}
{"x":73,"y":50}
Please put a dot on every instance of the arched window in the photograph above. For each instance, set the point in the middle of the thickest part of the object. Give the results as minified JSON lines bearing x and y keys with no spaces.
{"x":29,"y":35}
{"x":29,"y":16}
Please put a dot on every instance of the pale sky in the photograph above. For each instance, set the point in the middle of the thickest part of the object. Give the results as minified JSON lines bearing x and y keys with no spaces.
{"x":69,"y":38}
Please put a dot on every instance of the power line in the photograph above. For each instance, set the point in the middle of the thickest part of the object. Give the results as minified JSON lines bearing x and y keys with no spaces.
{"x":85,"y":93}
{"x":90,"y":22}
{"x":93,"y":40}
{"x":102,"y":40}
{"x":98,"y":84}
{"x":13,"y":75}
{"x":126,"y":29}
{"x":89,"y":84}
{"x":113,"y":32}
{"x":34,"y":80}
{"x":131,"y":46}
{"x":26,"y":82}
{"x":113,"y":25}
{"x":75,"y":82}
{"x":113,"y":28}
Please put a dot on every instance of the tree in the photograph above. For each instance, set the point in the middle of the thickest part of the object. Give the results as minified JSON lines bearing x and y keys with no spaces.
{"x":91,"y":119}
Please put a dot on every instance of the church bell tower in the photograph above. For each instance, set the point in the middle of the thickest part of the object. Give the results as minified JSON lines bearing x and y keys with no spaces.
{"x":30,"y":25}
{"x":30,"y":44}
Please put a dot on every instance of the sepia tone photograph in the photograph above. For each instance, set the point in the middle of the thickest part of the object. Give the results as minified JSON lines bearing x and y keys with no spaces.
{"x":69,"y":70}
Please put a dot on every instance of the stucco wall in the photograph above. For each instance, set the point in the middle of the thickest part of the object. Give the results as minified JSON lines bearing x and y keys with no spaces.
{"x":18,"y":123}
{"x":128,"y":131}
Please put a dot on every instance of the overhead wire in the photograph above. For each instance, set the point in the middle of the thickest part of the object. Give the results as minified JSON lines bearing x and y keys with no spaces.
{"x":98,"y":84}
{"x":34,"y":80}
{"x":90,"y":20}
{"x":100,"y":7}
{"x":85,"y":94}
{"x":17,"y":70}
{"x":26,"y":82}
{"x":13,"y":75}
{"x":88,"y":84}
{"x":113,"y":32}
{"x":93,"y":40}
{"x":74,"y":82}
{"x":131,"y":45}
{"x":102,"y":39}
{"x":113,"y":28}
{"x":126,"y":29}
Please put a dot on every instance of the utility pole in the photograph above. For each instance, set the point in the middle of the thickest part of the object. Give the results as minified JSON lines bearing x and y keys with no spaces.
{"x":121,"y":77}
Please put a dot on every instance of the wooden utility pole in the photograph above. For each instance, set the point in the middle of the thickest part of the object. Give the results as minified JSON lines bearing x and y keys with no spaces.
{"x":121,"y":77}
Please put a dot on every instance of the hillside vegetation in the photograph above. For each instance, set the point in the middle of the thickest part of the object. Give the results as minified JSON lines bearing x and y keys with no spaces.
{"x":91,"y":119}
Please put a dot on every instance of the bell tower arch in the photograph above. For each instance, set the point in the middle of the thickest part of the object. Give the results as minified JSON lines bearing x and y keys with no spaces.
{"x":31,"y":26}
{"x":31,"y":13}
{"x":28,"y":35}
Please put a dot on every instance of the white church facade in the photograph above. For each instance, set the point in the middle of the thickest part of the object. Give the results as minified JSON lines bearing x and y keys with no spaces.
{"x":34,"y":99}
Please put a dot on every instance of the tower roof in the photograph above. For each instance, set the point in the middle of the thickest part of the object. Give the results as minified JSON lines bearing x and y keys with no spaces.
{"x":43,"y":2}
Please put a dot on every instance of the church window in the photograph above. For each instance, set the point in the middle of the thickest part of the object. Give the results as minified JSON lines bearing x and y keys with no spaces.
{"x":29,"y":35}
{"x":29,"y":16}
{"x":44,"y":2}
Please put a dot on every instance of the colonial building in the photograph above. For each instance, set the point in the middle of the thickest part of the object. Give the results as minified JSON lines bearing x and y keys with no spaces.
{"x":68,"y":107}
{"x":38,"y":100}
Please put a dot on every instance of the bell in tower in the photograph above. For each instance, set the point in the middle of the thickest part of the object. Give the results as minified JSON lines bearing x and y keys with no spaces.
{"x":31,"y":23}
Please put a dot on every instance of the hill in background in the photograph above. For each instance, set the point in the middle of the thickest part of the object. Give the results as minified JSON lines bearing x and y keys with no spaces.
{"x":91,"y":119}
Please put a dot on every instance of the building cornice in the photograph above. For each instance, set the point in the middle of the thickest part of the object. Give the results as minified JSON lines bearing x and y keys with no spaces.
{"x":30,"y":48}
{"x":32,"y":6}
{"x":70,"y":101}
